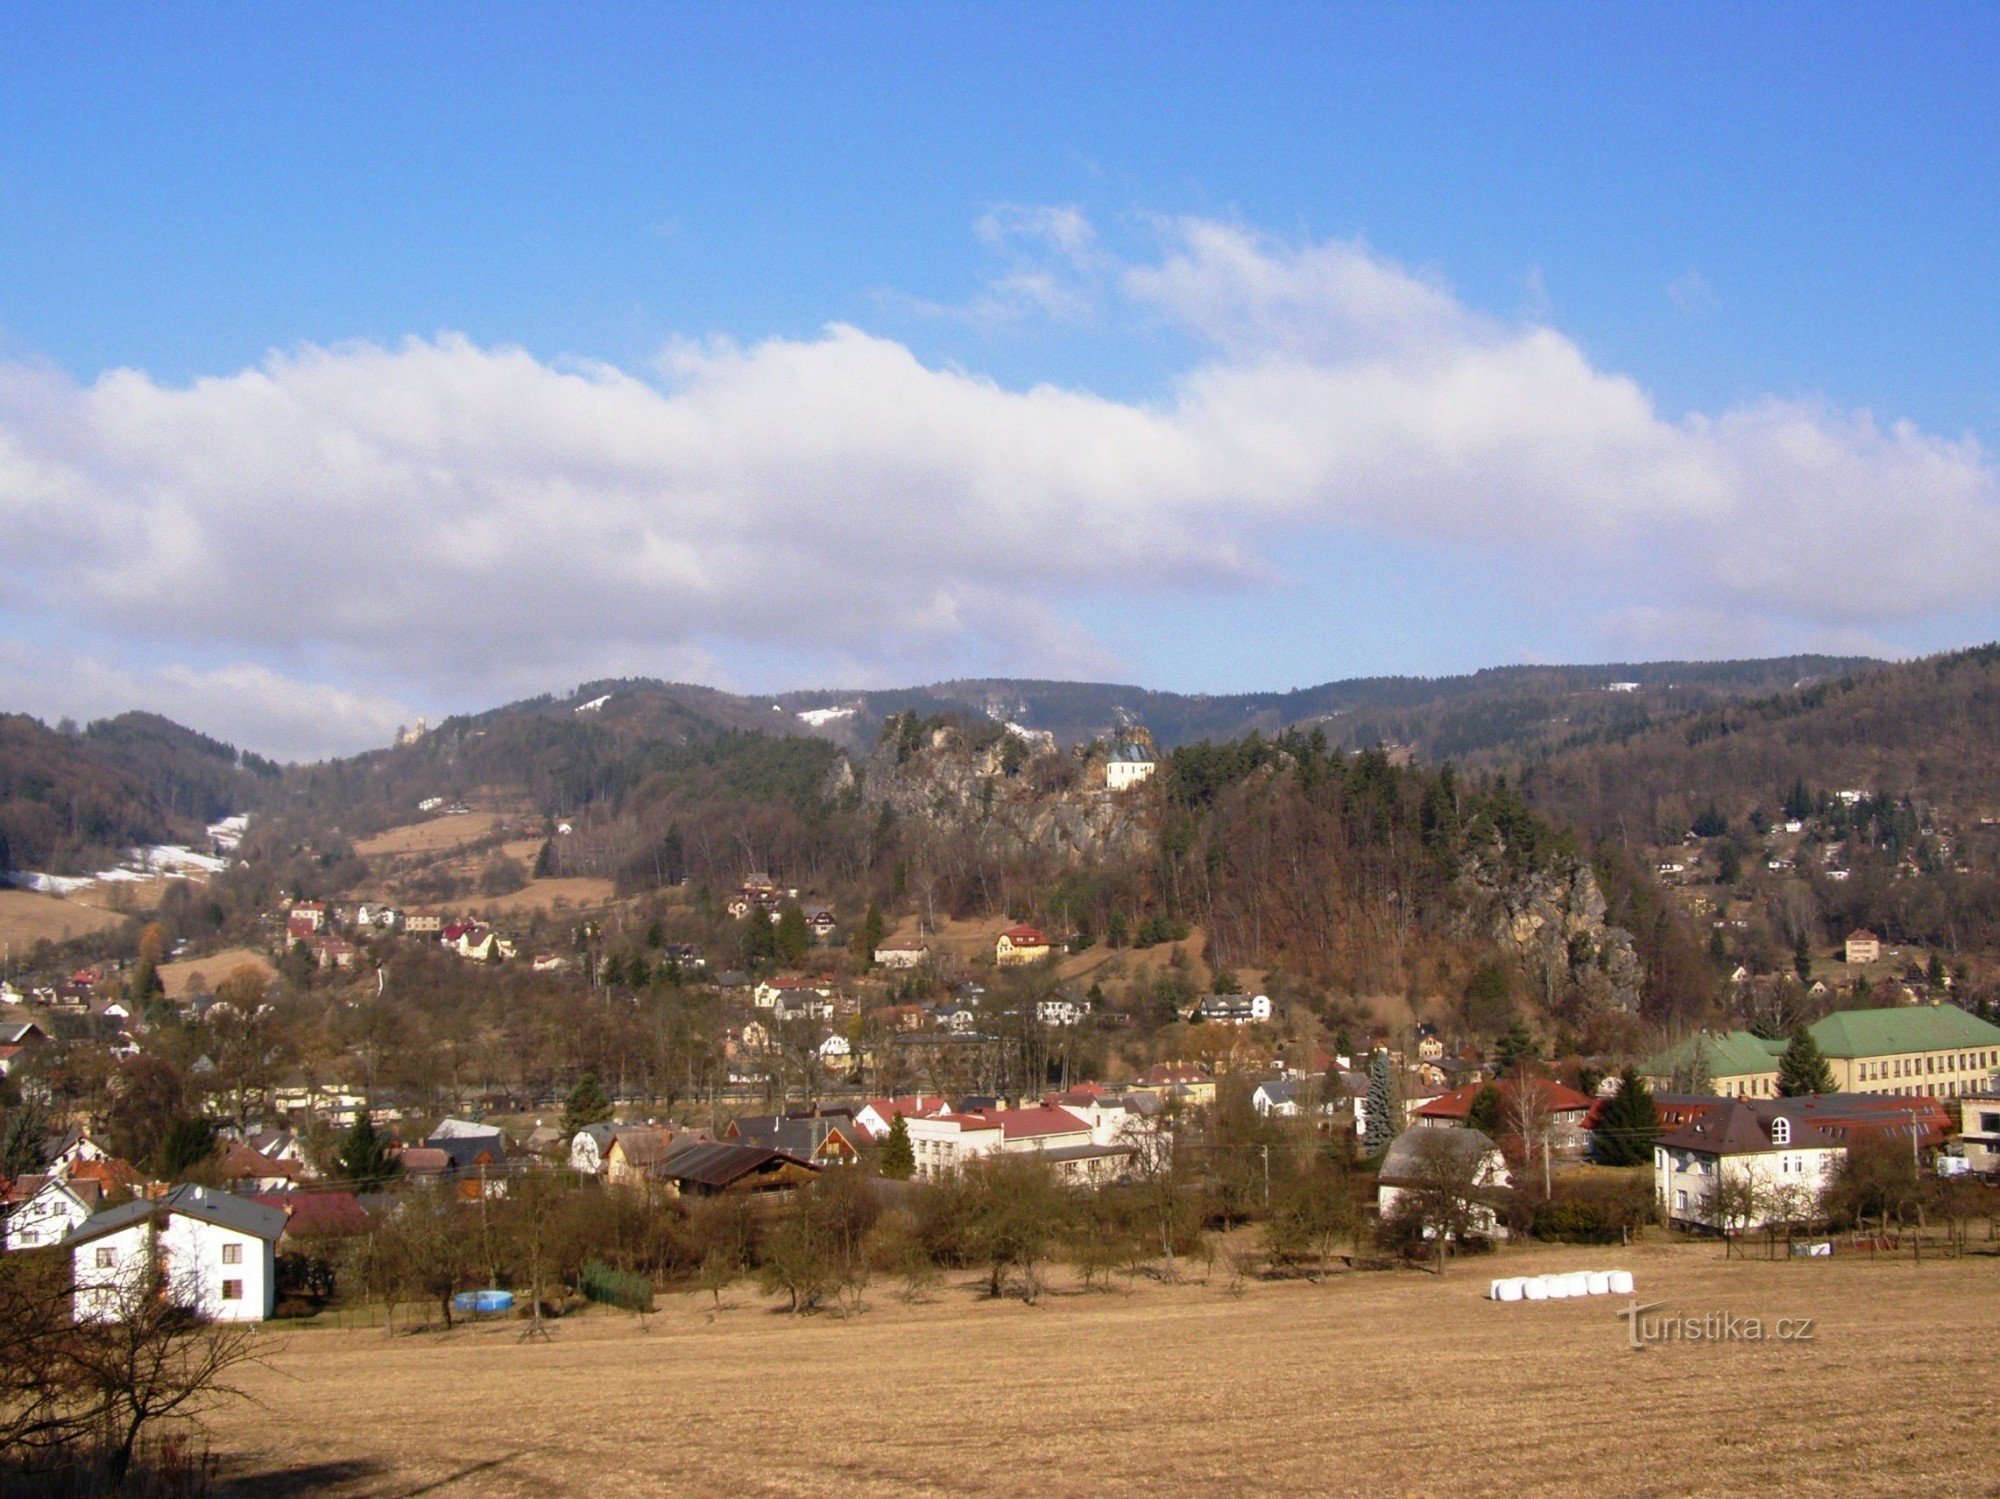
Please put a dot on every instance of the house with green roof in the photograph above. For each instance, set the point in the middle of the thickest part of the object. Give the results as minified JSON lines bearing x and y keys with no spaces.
{"x":1925,"y":1051}
{"x":1931,"y":1051}
{"x":1738,"y":1064}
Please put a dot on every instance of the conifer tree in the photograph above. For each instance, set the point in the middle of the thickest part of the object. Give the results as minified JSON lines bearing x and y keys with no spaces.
{"x":1630,"y":1124}
{"x":1515,"y":1047}
{"x":364,"y":1160}
{"x":1802,"y":1070}
{"x":1385,"y":1108}
{"x":1485,"y":1113}
{"x":899,"y":1158}
{"x":588,"y":1104}
{"x":793,"y":937}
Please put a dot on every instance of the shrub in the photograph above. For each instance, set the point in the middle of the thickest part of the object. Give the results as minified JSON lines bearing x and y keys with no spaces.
{"x":600,"y":1282}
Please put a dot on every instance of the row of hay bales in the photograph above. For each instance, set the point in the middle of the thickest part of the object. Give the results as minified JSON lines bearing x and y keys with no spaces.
{"x":1561,"y":1287}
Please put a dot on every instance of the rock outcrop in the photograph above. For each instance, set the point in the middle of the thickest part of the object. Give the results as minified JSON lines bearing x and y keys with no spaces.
{"x":1554,"y":920}
{"x":1014,"y":792}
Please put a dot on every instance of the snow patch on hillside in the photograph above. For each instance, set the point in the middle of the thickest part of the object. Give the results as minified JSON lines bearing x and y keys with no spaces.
{"x":819,"y":718}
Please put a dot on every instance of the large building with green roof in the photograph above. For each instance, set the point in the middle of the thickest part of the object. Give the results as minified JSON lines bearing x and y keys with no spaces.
{"x":1929,"y":1051}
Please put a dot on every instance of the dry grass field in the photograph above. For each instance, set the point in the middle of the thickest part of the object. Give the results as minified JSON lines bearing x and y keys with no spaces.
{"x":1393,"y":1383}
{"x":545,"y":895}
{"x":213,"y":969}
{"x":27,"y":917}
{"x":440,"y":835}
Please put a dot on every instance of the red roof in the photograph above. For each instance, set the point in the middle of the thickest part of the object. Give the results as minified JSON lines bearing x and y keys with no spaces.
{"x":240,"y":1161}
{"x":111,"y":1171}
{"x":1862,"y":934}
{"x":966,"y":1121}
{"x":1174,"y":1072}
{"x":1026,"y":936}
{"x":1457,"y":1104}
{"x":1026,"y":1124}
{"x":317,"y":1212}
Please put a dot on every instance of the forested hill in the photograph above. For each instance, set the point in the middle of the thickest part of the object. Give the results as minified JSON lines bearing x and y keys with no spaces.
{"x":1926,"y":730}
{"x":73,"y":800}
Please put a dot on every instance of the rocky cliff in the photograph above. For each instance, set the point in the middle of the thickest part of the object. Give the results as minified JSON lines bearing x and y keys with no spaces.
{"x":1014,"y":792}
{"x":1554,"y":919}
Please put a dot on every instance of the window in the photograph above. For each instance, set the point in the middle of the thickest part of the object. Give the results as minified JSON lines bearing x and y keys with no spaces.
{"x":232,"y":1254}
{"x":106,"y":1258}
{"x":232,"y":1290}
{"x":1781,"y":1131}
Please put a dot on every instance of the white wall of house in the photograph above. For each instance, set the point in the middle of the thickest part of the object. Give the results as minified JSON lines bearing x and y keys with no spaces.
{"x":1686,"y":1180}
{"x":45,"y":1218}
{"x":225,"y":1273}
{"x":942,"y":1146}
{"x":109,"y":1268}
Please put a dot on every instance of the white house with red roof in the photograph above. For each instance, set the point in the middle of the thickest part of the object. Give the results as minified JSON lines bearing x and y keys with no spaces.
{"x":1061,"y":1136}
{"x":878,"y":1114}
{"x":1020,"y":945}
{"x":944,"y":1143}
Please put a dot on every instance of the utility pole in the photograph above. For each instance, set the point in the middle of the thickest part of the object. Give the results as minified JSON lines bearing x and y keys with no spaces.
{"x":1266,"y":1150}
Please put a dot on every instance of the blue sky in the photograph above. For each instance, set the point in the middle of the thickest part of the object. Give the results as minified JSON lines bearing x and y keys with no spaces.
{"x":1718,"y":208}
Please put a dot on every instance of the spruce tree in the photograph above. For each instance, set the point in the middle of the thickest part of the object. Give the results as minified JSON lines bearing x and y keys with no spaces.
{"x":1385,"y":1110}
{"x":188,"y":1143}
{"x":1630,"y":1124}
{"x":1515,"y":1047}
{"x":1486,"y":1111}
{"x":588,"y":1104}
{"x":364,"y":1160}
{"x":1802,"y":1070}
{"x":899,"y":1158}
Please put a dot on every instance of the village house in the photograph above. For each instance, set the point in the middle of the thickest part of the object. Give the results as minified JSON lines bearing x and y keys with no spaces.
{"x":589,"y":1145}
{"x":902,"y":955}
{"x":426,"y":925}
{"x":1979,"y":1131}
{"x":823,"y":1139}
{"x":877,"y":1114}
{"x":1019,"y":946}
{"x":306,"y":917}
{"x":713,"y":1168}
{"x":1472,"y":1159}
{"x":1190,"y":1082}
{"x":45,"y":1209}
{"x":217,"y":1253}
{"x":791,"y":993}
{"x":1863,"y":946}
{"x":634,"y":1152}
{"x":1560,"y":1111}
{"x":1061,"y":1010}
{"x":1232,"y":1009}
{"x":1743,"y":1166}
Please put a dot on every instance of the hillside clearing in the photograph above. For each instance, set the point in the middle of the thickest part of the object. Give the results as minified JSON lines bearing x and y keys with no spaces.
{"x":211,"y":968}
{"x":28,"y":917}
{"x":439,"y":835}
{"x":1392,"y":1383}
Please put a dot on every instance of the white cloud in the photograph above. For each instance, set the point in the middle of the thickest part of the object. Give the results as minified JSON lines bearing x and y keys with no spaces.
{"x":467,"y":521}
{"x":254,"y":706}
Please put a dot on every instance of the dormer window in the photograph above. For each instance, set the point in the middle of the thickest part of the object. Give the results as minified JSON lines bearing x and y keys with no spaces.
{"x":1781,"y":1131}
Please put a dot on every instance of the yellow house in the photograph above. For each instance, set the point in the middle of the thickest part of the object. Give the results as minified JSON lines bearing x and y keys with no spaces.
{"x":1020,"y":945}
